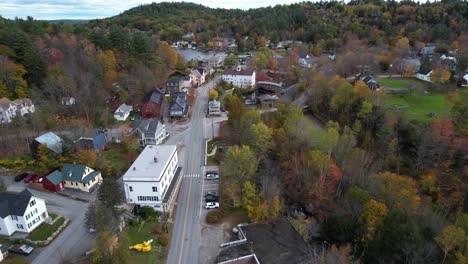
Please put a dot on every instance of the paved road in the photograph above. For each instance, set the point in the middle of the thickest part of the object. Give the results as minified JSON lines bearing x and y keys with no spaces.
{"x":185,"y":242}
{"x":74,"y":241}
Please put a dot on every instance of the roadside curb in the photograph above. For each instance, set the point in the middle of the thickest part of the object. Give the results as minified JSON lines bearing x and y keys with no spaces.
{"x":46,"y":242}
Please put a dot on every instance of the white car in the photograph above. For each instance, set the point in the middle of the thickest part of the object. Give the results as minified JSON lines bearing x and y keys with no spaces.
{"x":211,"y":205}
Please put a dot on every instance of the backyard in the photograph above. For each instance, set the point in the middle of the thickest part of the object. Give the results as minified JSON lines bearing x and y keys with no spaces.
{"x":138,"y":233}
{"x":393,"y":83}
{"x":117,"y":156}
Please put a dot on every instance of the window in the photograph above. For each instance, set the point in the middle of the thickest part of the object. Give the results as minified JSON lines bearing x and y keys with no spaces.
{"x":35,"y":211}
{"x":33,"y":202}
{"x":14,"y":217}
{"x":130,"y":188}
{"x":19,"y":226}
{"x":155,"y":189}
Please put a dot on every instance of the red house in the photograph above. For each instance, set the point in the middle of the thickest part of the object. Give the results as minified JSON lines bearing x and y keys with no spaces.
{"x":54,"y":181}
{"x":153,"y":106}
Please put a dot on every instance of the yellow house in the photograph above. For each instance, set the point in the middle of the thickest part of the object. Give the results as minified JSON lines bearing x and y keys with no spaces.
{"x":82,"y":177}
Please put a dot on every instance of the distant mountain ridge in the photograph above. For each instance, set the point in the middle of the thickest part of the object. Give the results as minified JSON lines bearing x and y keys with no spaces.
{"x":69,"y":21}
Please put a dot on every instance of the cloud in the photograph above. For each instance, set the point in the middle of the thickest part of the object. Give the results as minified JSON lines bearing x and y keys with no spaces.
{"x":89,"y":9}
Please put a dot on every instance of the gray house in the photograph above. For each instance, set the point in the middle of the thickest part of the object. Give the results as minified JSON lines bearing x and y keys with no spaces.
{"x":174,"y":85}
{"x":150,"y":132}
{"x":179,"y":106}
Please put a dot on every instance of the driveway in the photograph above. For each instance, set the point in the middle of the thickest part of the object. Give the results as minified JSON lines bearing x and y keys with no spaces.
{"x":74,"y":240}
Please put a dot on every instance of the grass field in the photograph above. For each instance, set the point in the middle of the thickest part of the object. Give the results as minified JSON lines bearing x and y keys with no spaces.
{"x":138,"y":235}
{"x":393,"y":83}
{"x":418,"y":107}
{"x":282,"y":53}
{"x":44,"y":231}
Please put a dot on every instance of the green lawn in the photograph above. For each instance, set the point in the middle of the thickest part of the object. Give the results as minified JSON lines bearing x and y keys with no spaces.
{"x":137,"y":235}
{"x":418,"y":106}
{"x":52,"y":216}
{"x":283,"y":53}
{"x":44,"y":231}
{"x":393,"y":83}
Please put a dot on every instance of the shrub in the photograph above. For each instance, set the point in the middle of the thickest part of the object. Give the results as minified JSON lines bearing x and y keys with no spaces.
{"x":163,"y":240}
{"x":214,"y":216}
{"x":147,"y":212}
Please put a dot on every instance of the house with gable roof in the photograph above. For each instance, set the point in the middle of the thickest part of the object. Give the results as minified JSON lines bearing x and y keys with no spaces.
{"x":179,"y":106}
{"x":10,"y":109}
{"x":50,"y":140}
{"x":75,"y":176}
{"x":198,"y":76}
{"x":150,"y":132}
{"x":153,"y":105}
{"x":21,"y":212}
{"x":122,"y":112}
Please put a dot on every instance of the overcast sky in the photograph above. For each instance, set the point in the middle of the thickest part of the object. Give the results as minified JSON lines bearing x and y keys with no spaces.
{"x":89,"y":9}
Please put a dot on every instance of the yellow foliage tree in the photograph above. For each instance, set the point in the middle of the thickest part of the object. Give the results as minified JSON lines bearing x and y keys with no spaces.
{"x":451,"y":238}
{"x":256,"y":206}
{"x":399,"y":191}
{"x":361,"y":89}
{"x":440,"y":75}
{"x":213,"y":94}
{"x":373,"y":214}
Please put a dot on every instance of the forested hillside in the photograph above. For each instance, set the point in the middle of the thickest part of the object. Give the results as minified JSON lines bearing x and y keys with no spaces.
{"x":46,"y":62}
{"x":327,"y":22}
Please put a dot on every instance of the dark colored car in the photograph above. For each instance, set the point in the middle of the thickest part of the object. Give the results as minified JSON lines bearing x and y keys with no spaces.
{"x":30,"y":178}
{"x":215,"y":193}
{"x":20,"y":176}
{"x":21,"y":249}
{"x":211,"y":198}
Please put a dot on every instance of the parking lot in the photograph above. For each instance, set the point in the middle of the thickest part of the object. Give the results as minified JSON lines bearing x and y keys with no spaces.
{"x":211,"y":235}
{"x":209,"y":185}
{"x":75,"y":239}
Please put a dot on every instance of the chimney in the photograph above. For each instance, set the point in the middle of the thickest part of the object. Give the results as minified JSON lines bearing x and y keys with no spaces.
{"x":155,"y":159}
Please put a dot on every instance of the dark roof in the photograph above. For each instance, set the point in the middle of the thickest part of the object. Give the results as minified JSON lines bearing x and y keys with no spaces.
{"x":146,"y":125}
{"x":273,"y":242}
{"x":14,"y":203}
{"x":174,"y":79}
{"x":236,"y":72}
{"x":55,"y":177}
{"x":75,"y":172}
{"x":425,"y":71}
{"x":179,"y":102}
{"x":155,"y":96}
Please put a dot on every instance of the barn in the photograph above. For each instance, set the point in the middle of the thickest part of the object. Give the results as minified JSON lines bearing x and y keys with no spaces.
{"x":153,"y":106}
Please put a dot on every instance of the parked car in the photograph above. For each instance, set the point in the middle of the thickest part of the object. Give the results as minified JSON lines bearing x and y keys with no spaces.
{"x":207,"y":193}
{"x":38,"y":179}
{"x":30,"y":177}
{"x":212,"y":175}
{"x":211,"y":198}
{"x":211,"y":205}
{"x":21,"y":249}
{"x":20,"y":176}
